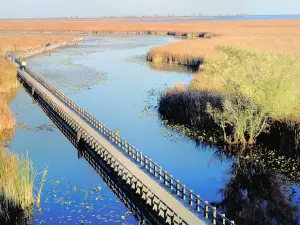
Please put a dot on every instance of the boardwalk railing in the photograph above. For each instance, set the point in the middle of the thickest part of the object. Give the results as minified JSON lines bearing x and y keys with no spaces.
{"x":168,"y":213}
{"x":166,"y":179}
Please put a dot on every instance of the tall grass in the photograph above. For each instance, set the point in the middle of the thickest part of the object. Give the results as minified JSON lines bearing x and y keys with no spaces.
{"x":7,"y":120}
{"x":8,"y":78}
{"x":16,"y":186}
{"x":17,"y":177}
{"x":190,"y":60}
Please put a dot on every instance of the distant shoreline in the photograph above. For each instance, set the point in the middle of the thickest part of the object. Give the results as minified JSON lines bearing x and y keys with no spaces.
{"x":151,"y":17}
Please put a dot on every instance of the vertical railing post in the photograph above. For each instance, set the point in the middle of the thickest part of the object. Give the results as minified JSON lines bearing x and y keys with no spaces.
{"x":134,"y":154}
{"x":177,"y":187}
{"x":191,"y":198}
{"x":171,"y":182}
{"x":206,"y":209}
{"x":214,"y":215}
{"x":141,"y":158}
{"x":198,"y":203}
{"x":160,"y":173}
{"x":150,"y":165}
{"x":146,"y":163}
{"x":165,"y":178}
{"x":183,"y":192}
{"x":223,"y":219}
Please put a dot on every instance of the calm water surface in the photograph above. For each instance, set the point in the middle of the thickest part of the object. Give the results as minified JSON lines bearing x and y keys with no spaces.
{"x":221,"y":18}
{"x":107,"y":76}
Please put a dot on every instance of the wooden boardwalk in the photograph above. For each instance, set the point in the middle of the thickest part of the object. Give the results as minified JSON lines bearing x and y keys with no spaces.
{"x":171,"y":200}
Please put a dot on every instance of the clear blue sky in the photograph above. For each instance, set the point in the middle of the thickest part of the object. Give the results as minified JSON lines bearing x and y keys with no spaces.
{"x":100,"y":8}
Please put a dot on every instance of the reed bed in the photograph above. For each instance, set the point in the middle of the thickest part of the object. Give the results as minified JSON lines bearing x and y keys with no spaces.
{"x":191,"y":52}
{"x":166,"y":57}
{"x":224,"y":28}
{"x":256,"y":90}
{"x":7,"y":120}
{"x":8,"y":79}
{"x":16,"y":187}
{"x":18,"y":42}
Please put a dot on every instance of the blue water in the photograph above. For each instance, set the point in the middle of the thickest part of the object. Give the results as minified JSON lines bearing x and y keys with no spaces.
{"x":119,"y":102}
{"x":220,"y":18}
{"x":104,"y":77}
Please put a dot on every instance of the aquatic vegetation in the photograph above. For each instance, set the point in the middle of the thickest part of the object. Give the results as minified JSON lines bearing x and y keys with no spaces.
{"x":140,"y":59}
{"x":68,"y":62}
{"x":190,"y":60}
{"x":74,"y":77}
{"x":43,"y":180}
{"x":171,"y":67}
{"x":77,"y":203}
{"x":258,"y":194}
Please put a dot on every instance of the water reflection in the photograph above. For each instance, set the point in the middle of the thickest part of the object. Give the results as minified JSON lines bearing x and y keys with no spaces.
{"x":257,"y":192}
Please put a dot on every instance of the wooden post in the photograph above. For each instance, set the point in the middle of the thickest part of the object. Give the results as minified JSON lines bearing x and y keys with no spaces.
{"x":198,"y":203}
{"x":146,"y":163}
{"x":191,"y":198}
{"x":78,"y":135}
{"x":183,"y":192}
{"x":214,"y":215}
{"x":129,"y":152}
{"x":171,"y":182}
{"x":141,"y":158}
{"x":206,"y":209}
{"x":32,"y":91}
{"x":154,"y":169}
{"x":177,"y":187}
{"x":223,"y":219}
{"x":160,"y":173}
{"x":165,"y":178}
{"x":150,"y":165}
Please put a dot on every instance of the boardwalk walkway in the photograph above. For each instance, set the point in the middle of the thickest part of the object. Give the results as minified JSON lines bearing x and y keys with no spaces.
{"x":171,"y":200}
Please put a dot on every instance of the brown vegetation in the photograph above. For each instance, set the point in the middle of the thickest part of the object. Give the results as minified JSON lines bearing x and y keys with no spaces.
{"x":269,"y":35}
{"x":8,"y":79}
{"x":204,"y":49}
{"x":7,"y":120}
{"x":105,"y":25}
{"x":15,"y":43}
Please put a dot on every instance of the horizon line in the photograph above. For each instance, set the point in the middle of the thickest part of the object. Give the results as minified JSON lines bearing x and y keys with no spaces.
{"x":154,"y":16}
